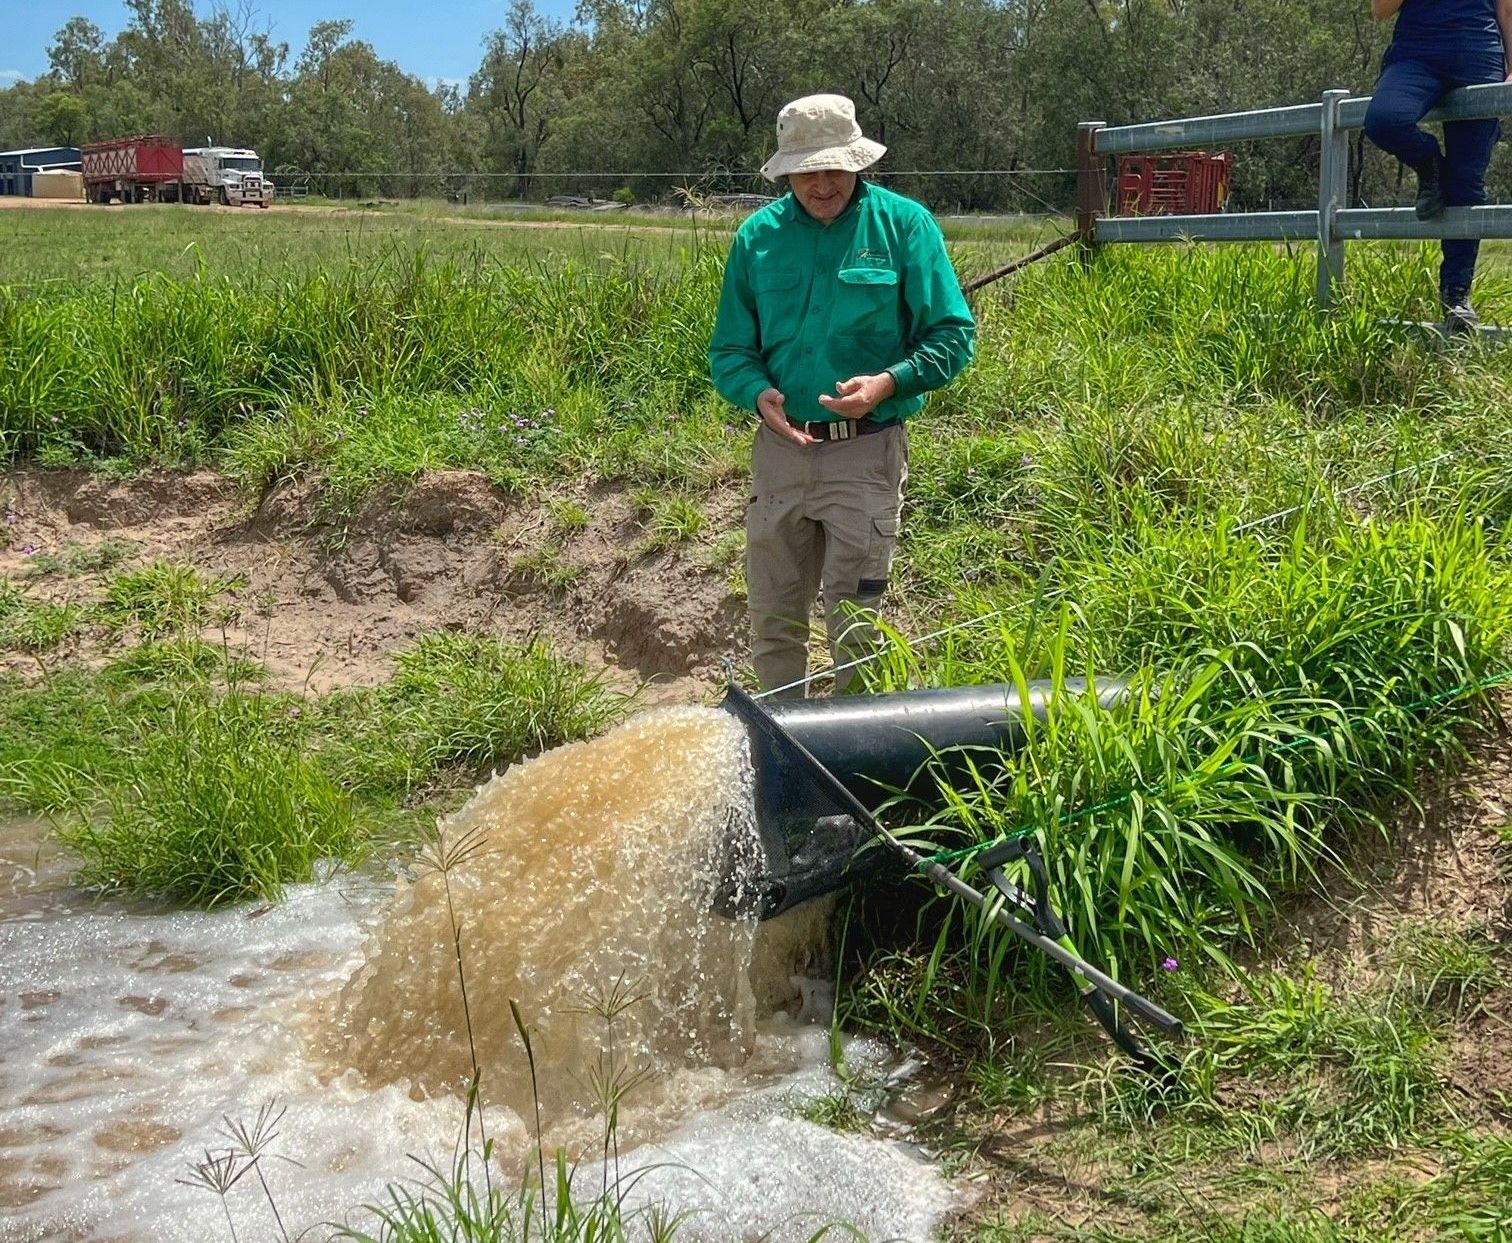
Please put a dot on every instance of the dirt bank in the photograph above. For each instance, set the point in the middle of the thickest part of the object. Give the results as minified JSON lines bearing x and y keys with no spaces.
{"x":325,"y":604}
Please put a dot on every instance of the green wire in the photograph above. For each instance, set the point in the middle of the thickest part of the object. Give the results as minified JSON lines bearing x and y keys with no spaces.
{"x":1070,"y":817}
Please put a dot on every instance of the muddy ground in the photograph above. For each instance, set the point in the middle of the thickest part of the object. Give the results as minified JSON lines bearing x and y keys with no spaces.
{"x":324,"y":603}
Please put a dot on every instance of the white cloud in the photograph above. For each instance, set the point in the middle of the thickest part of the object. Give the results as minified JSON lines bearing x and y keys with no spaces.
{"x":9,"y":76}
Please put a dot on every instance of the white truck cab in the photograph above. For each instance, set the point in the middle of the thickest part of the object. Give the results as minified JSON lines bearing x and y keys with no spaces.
{"x":232,"y":176}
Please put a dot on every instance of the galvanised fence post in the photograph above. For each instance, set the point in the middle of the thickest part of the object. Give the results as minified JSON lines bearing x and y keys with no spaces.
{"x":1091,"y":185}
{"x":1333,"y":192}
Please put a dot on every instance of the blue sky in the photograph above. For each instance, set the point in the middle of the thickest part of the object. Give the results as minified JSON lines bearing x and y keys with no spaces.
{"x":438,"y":39}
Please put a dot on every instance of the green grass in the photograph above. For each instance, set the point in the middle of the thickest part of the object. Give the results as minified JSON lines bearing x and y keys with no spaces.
{"x":75,"y":559}
{"x":219,"y":801}
{"x":547,"y":567}
{"x":567,"y":515}
{"x":36,"y":626}
{"x":174,"y":777}
{"x":1283,"y":691}
{"x":837,"y":1110}
{"x":668,"y":519}
{"x":1445,"y":966}
{"x":467,"y":703}
{"x":162,"y":598}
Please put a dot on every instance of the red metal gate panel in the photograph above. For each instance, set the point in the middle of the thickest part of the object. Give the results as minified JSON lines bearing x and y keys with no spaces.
{"x":1181,"y":183}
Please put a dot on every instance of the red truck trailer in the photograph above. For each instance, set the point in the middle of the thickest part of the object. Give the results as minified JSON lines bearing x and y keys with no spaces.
{"x":134,"y":170}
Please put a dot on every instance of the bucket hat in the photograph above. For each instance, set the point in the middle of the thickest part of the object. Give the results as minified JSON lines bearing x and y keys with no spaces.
{"x":820,"y":132}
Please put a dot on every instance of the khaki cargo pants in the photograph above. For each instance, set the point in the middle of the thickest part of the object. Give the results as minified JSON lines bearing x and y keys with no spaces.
{"x":822,"y":517}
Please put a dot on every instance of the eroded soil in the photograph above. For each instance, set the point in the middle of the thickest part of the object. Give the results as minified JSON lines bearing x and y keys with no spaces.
{"x":324,"y":603}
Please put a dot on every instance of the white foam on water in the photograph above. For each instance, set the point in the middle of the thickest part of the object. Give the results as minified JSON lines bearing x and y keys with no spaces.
{"x":126,"y":1034}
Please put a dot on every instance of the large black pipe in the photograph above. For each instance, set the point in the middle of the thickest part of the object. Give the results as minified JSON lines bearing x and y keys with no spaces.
{"x":874,"y":745}
{"x":877,"y":744}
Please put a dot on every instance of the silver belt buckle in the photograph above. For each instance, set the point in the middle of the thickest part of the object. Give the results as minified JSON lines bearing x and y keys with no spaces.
{"x":839,"y":429}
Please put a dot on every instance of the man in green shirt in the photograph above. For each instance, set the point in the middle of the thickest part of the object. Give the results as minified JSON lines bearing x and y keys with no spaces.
{"x":840,"y":311}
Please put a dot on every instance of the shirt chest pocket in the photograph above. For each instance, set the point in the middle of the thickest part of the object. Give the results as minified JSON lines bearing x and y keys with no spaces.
{"x":777,"y":309}
{"x":867,"y":302}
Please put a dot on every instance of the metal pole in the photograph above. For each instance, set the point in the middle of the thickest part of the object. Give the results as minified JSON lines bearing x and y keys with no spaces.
{"x":1333,"y":196}
{"x":1091,"y":185}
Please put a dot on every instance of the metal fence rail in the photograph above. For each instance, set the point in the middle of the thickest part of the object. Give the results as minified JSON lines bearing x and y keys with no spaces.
{"x":1330,"y":226}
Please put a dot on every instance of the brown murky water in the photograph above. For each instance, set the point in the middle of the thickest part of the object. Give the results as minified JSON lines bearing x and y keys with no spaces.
{"x":129,"y":1034}
{"x":580,"y":888}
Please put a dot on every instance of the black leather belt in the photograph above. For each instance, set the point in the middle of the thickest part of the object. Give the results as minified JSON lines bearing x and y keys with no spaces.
{"x":840,"y":429}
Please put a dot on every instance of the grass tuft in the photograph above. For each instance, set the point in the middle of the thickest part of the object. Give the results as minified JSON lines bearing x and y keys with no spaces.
{"x":467,"y":702}
{"x":219,"y":802}
{"x":162,"y":598}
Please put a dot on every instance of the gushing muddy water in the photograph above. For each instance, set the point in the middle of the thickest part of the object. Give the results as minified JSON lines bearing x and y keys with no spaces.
{"x":576,"y":884}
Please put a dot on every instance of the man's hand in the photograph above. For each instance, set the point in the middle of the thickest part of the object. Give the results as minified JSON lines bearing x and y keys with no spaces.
{"x":860,"y":395}
{"x":770,"y":405}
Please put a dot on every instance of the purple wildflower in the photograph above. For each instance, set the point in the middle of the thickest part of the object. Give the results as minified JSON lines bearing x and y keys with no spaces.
{"x":1170,"y":964}
{"x":11,"y":517}
{"x":295,"y":711}
{"x":28,"y":549}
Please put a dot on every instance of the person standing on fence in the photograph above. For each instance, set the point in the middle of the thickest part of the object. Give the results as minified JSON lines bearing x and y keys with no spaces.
{"x":1439,"y":45}
{"x":840,"y":310}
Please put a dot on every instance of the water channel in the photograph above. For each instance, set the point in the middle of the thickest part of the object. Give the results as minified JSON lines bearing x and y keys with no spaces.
{"x":572,"y":883}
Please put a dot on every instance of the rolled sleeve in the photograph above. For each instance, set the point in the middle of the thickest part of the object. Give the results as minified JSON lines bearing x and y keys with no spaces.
{"x":942,"y":331}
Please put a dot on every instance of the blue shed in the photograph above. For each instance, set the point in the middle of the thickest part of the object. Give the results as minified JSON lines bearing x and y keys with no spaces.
{"x":17,"y":167}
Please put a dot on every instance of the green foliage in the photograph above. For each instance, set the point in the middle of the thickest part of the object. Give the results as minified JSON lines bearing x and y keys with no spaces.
{"x":466,"y":702}
{"x":547,"y":567}
{"x":1009,"y":1084}
{"x":1377,"y":1068}
{"x":1286,"y":687}
{"x":567,"y":515}
{"x":57,"y":738}
{"x":176,"y":780}
{"x":1470,"y":1198}
{"x":180,"y":659}
{"x":217,"y":802}
{"x":1447,"y":967}
{"x":837,"y":1110}
{"x":162,"y":598}
{"x":668,"y":519}
{"x":36,"y":626}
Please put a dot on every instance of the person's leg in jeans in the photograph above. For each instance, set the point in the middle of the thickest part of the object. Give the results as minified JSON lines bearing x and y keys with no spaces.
{"x":1467,"y":151}
{"x":1407,"y":91}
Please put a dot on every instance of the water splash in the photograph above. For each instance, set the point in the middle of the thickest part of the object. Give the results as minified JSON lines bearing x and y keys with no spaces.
{"x":580,"y":876}
{"x":127,"y":1033}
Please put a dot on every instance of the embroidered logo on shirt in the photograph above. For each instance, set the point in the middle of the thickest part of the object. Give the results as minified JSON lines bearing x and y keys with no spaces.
{"x":868,"y":255}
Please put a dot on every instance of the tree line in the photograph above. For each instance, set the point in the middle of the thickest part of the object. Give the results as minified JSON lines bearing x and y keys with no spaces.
{"x":984,"y":96}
